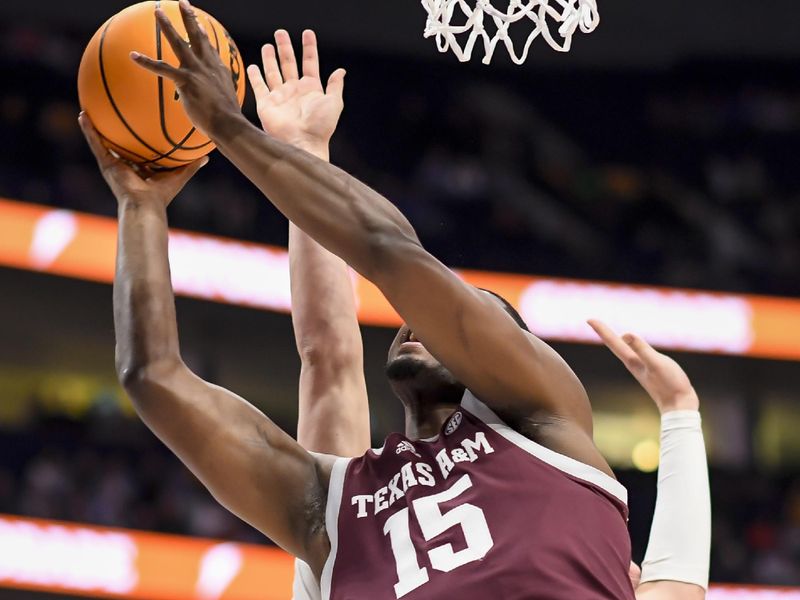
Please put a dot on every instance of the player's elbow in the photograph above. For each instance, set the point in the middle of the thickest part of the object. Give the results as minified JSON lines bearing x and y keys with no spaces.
{"x":139,"y":378}
{"x":333,"y":355}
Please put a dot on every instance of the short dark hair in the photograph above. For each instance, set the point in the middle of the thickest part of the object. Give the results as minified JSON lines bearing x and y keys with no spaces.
{"x":509,"y":309}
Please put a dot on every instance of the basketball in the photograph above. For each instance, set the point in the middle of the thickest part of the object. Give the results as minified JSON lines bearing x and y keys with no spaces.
{"x":138,"y":114}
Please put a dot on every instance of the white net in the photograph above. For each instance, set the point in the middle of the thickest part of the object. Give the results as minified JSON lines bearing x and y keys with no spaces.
{"x":446,"y":23}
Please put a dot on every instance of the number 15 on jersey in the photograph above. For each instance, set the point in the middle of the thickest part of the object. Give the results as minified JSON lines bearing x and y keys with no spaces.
{"x":433,"y":522}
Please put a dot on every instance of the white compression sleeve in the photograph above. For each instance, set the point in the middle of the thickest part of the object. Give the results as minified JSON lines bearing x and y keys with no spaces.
{"x":680,"y":538}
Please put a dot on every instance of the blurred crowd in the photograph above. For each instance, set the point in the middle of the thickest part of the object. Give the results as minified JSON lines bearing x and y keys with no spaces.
{"x":685,"y":177}
{"x":107,"y":470}
{"x":114,"y":475}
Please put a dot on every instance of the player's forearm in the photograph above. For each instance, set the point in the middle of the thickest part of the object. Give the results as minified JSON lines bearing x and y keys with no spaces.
{"x":323,"y":305}
{"x":680,"y":538}
{"x":144,"y":306}
{"x":344,"y":215}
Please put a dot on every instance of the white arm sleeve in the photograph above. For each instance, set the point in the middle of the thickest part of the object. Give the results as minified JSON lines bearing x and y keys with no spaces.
{"x":680,"y":538}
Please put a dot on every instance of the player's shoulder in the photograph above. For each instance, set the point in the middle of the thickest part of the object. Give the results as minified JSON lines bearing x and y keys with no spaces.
{"x":326,"y":464}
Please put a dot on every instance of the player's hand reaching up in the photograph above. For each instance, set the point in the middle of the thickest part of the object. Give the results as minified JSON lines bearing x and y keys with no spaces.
{"x":295,"y":107}
{"x":663,"y":379}
{"x":204,"y":83}
{"x":134,"y":184}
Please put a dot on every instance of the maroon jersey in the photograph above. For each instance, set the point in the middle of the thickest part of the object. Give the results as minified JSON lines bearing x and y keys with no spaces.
{"x":478,"y":512}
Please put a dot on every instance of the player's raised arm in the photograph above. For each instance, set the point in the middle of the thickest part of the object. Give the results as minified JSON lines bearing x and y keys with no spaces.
{"x":294,"y":107}
{"x":467,"y":330}
{"x":677,"y":559}
{"x":249,"y":465}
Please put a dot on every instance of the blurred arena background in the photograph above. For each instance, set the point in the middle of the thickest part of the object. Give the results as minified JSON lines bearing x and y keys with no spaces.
{"x":662,"y":151}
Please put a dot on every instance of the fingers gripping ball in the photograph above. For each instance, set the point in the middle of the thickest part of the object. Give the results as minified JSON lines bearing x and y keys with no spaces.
{"x":138,"y":114}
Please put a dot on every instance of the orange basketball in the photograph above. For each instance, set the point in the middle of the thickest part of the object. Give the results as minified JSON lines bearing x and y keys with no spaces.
{"x":138,"y":114}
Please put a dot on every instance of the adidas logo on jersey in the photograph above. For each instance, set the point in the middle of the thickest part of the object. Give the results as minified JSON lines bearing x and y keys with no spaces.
{"x":455,"y":421}
{"x":406,"y":446}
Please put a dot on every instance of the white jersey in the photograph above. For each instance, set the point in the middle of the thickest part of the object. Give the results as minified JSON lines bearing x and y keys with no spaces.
{"x":306,"y":586}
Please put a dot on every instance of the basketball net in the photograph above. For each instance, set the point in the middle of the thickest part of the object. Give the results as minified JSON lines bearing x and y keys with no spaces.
{"x":567,"y":15}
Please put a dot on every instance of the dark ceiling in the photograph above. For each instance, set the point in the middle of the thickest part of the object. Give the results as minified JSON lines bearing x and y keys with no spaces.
{"x":631,"y":33}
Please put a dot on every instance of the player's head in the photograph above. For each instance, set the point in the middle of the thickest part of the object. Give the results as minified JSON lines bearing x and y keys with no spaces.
{"x":410,"y":363}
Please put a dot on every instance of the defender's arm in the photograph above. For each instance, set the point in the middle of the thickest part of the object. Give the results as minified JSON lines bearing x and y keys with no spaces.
{"x":333,"y":408}
{"x":334,"y":413}
{"x":676,"y":564}
{"x":677,"y":560}
{"x":249,"y":465}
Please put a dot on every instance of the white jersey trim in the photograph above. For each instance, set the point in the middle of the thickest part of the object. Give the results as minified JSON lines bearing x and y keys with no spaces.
{"x":568,"y":465}
{"x":335,"y":490}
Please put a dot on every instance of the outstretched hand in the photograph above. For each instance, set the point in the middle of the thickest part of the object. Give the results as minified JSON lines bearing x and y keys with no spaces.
{"x":138,"y":185}
{"x":663,"y":379}
{"x":203,"y":82}
{"x":294,"y":107}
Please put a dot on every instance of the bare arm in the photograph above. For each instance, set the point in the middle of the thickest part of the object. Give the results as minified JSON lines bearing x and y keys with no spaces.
{"x":248,"y":464}
{"x":468,"y":331}
{"x":670,"y":389}
{"x":333,"y":411}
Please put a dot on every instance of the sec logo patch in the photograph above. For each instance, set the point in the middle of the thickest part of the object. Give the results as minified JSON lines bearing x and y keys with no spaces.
{"x":453,"y":424}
